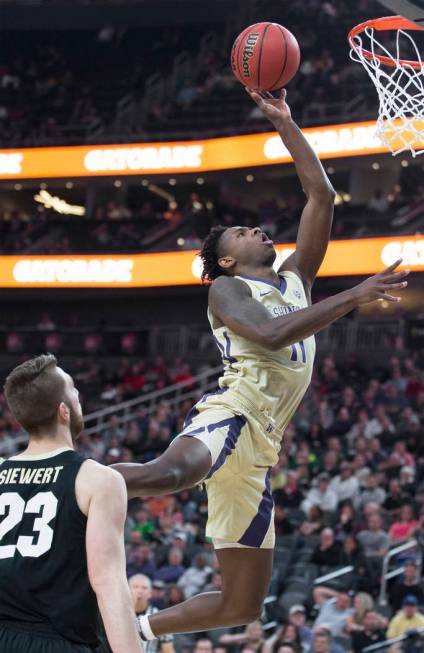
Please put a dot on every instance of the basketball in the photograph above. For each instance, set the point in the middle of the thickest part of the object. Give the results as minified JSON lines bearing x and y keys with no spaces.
{"x":265,"y":56}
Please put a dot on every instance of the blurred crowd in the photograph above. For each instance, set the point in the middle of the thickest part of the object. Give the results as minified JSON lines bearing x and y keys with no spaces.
{"x":182,"y":222}
{"x":100,"y":89}
{"x":349,"y":486}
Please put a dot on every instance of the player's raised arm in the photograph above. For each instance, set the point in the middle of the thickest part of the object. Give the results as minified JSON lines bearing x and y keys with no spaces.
{"x":106,"y":512}
{"x":231,"y":302}
{"x":317,"y":216}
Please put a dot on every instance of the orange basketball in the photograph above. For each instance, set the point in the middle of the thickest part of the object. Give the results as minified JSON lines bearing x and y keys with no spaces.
{"x":265,"y":56}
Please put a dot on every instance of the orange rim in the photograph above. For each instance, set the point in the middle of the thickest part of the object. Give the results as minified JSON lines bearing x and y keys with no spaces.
{"x":380,"y":25}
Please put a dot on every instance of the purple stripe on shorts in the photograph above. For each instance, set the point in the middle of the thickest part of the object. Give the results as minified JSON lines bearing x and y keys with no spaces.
{"x":235,"y":425}
{"x":193,"y":412}
{"x":255,"y":533}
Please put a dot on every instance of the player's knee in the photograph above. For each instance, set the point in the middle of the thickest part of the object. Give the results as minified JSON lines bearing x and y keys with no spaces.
{"x":242,"y":615}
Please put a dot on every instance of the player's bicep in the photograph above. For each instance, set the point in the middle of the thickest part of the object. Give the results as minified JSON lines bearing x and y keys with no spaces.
{"x":230,"y":300}
{"x":105,"y":527}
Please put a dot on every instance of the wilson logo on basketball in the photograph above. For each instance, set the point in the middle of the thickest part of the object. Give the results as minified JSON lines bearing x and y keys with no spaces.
{"x":251,"y":41}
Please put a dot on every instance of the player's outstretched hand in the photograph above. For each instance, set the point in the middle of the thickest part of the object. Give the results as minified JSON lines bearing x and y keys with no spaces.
{"x":377,"y":286}
{"x":275,"y":109}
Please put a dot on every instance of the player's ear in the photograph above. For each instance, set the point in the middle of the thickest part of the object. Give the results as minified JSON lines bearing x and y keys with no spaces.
{"x":226,"y":262}
{"x":63,"y":413}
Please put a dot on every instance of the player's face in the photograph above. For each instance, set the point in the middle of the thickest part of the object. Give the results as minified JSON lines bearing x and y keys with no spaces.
{"x":76,"y":420}
{"x":247,"y":246}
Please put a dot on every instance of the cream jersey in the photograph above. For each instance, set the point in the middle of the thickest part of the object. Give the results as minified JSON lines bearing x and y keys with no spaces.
{"x":268,"y":384}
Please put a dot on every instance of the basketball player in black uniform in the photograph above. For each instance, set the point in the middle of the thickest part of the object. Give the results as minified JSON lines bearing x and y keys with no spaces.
{"x":61,"y":528}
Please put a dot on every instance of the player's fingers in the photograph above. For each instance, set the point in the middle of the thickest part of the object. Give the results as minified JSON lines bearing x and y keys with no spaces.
{"x":269,"y":95}
{"x":388,"y":298}
{"x":390,"y":286}
{"x":393,"y":266}
{"x":395,"y":276}
{"x":255,"y":96}
{"x":283,"y":94}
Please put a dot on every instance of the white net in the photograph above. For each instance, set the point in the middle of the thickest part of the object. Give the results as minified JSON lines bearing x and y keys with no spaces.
{"x":400,"y":88}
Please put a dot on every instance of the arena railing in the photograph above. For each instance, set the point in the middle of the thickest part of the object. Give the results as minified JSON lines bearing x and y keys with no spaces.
{"x":381,"y":646}
{"x":98,"y":421}
{"x":337,"y":573}
{"x":386,"y":574}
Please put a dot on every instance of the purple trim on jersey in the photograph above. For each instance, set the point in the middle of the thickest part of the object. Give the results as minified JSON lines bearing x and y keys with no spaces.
{"x":302,"y":347}
{"x":282,"y":286}
{"x":195,"y":432}
{"x":228,"y":356}
{"x":235,"y":425}
{"x":220,"y":347}
{"x":293,"y":356}
{"x":193,"y":412}
{"x":255,"y":533}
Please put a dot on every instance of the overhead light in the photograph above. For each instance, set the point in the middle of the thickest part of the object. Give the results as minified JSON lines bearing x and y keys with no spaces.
{"x":338,"y":199}
{"x":200,"y":181}
{"x":180,"y":241}
{"x":404,"y":163}
{"x":69,"y":184}
{"x":375,"y":166}
{"x":346,"y":197}
{"x":57,"y":204}
{"x":43,"y":186}
{"x":117,"y":183}
{"x":330,"y":170}
{"x":144,"y":182}
{"x":249,"y":178}
{"x":18,"y":187}
{"x":172,"y":182}
{"x":209,"y":205}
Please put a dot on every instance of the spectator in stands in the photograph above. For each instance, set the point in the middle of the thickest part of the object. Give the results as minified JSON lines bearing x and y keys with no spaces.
{"x":408,"y":585}
{"x":297,"y":617}
{"x":396,"y":498}
{"x":372,"y":493}
{"x":323,"y":643}
{"x":327,"y":552}
{"x":374,"y":539}
{"x":352,"y":553}
{"x":314,"y":522}
{"x":171,"y":572}
{"x":404,"y":527}
{"x":334,"y":609}
{"x":378,"y":202}
{"x":362,"y":604}
{"x":344,"y":485}
{"x":46,"y":323}
{"x":321,"y":496}
{"x":140,"y":561}
{"x":370,"y":633}
{"x":286,"y":647}
{"x":203,"y":645}
{"x":289,"y":496}
{"x":345,"y":522}
{"x":252,"y":637}
{"x":408,"y":618}
{"x":194,"y":578}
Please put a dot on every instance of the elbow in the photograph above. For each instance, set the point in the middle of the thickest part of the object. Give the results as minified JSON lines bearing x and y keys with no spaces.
{"x":325,"y":194}
{"x":271,"y":341}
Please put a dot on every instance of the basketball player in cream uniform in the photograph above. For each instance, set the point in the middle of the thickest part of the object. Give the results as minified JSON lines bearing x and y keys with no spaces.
{"x":264,"y":326}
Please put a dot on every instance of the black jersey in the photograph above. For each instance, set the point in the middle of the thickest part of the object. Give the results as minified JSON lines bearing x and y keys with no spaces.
{"x":43,"y":562}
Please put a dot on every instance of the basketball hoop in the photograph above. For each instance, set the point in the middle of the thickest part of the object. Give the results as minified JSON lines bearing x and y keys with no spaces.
{"x":399,"y":82}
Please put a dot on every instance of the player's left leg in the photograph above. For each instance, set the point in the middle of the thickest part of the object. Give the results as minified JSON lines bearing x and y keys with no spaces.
{"x":246,"y":574}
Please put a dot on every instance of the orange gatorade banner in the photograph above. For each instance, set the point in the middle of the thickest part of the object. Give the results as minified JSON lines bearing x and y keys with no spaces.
{"x":352,"y":139}
{"x":344,"y":257}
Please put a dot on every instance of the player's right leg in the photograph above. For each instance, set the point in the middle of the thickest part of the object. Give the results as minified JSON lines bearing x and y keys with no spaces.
{"x":246,"y":574}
